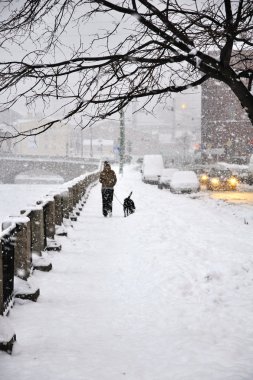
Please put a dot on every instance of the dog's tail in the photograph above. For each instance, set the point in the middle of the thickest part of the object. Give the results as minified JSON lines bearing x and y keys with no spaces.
{"x":130,"y":195}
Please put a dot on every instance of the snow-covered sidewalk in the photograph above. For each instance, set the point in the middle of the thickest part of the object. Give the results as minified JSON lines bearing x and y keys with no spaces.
{"x":165,"y":294}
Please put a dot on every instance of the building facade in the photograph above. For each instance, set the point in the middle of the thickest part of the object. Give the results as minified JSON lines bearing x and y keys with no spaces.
{"x":226,"y":131}
{"x":54,"y":142}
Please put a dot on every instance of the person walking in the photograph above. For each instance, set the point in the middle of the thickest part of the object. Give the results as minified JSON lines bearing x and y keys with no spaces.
{"x":108,"y":180}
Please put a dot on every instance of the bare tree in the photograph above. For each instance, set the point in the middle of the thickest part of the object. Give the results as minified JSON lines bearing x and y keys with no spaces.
{"x":149,"y":49}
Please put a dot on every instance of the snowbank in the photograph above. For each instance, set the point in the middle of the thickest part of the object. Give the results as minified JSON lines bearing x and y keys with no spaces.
{"x":165,"y":293}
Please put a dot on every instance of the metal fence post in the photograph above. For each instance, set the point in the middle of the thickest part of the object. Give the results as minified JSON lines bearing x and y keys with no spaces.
{"x":58,"y":209}
{"x":22,"y":247}
{"x":49,"y":218}
{"x":7,"y":243}
{"x":37,"y":230}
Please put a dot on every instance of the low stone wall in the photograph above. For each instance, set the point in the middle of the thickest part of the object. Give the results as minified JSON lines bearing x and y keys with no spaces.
{"x":25,"y":238}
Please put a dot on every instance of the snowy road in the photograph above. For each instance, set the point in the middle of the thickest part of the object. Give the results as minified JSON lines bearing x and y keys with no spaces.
{"x":239,"y":197}
{"x":165,"y":294}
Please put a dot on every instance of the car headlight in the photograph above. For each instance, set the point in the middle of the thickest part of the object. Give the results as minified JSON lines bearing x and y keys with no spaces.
{"x":215,"y":181}
{"x":233,"y":181}
{"x":204,"y":177}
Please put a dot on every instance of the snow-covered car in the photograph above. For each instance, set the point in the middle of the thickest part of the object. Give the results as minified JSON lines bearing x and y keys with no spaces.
{"x":221,"y":179}
{"x":152,"y":168}
{"x":166,"y":177}
{"x":184,"y":182}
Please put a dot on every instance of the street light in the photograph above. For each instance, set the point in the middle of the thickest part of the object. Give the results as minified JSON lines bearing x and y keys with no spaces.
{"x":183,"y":106}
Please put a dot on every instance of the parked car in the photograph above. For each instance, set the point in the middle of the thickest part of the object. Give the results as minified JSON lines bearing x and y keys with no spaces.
{"x":166,"y":177}
{"x":184,"y":182}
{"x":201,"y":172}
{"x":152,"y":168}
{"x":221,"y":179}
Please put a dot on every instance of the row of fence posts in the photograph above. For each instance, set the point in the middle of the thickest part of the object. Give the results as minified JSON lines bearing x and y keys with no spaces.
{"x":26,"y":238}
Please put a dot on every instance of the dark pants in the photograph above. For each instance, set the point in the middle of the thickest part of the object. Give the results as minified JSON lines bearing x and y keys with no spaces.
{"x":107,"y":197}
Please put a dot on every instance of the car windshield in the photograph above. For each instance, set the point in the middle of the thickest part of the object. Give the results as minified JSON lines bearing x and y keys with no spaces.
{"x":220,"y":173}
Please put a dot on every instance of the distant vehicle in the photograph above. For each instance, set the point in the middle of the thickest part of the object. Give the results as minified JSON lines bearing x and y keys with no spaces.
{"x":152,"y":168}
{"x":184,"y":182}
{"x":221,"y":179}
{"x":201,"y":171}
{"x":166,"y":177}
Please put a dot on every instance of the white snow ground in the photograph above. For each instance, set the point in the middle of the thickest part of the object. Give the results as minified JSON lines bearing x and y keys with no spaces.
{"x":164,"y":294}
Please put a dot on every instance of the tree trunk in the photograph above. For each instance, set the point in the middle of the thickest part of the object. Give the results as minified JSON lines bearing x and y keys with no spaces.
{"x":244,"y":95}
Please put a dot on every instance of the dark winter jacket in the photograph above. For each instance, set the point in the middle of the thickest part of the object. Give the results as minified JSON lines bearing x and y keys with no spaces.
{"x":107,"y":177}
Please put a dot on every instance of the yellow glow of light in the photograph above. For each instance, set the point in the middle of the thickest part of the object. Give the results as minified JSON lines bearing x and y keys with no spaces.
{"x":215,"y":181}
{"x":233,"y":181}
{"x":183,"y":106}
{"x":204,"y":177}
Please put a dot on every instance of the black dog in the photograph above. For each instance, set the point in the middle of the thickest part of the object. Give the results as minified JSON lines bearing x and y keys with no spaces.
{"x":128,"y":205}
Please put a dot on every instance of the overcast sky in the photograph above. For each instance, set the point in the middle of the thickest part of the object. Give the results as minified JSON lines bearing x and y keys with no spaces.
{"x":72,"y":37}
